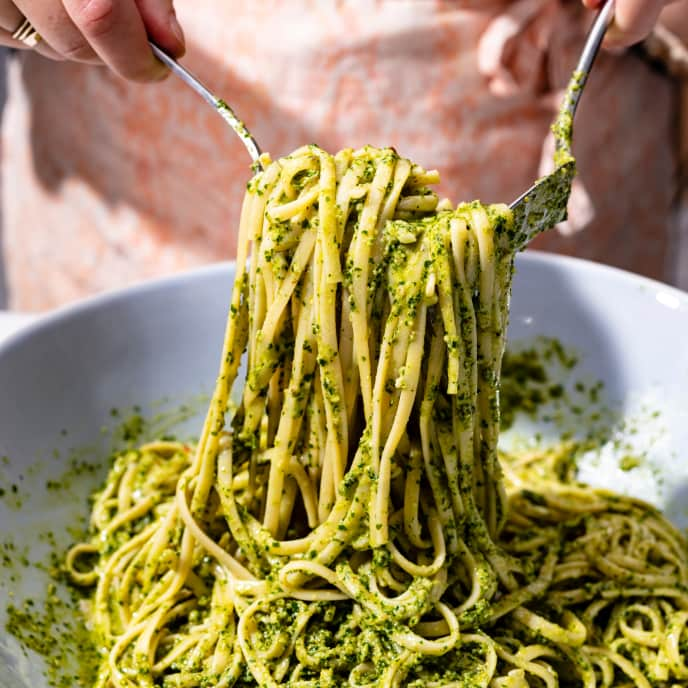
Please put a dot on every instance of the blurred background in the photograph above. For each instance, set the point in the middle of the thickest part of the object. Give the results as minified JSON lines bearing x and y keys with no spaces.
{"x":106,"y":183}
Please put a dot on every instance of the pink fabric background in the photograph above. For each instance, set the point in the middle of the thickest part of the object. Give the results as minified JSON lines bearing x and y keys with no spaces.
{"x":106,"y":183}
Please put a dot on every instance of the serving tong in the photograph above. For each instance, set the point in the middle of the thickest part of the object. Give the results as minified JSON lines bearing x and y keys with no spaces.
{"x":220,"y":105}
{"x":543,"y":205}
{"x":538,"y":208}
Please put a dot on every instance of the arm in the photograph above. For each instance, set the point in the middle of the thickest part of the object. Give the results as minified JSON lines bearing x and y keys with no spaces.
{"x":110,"y":32}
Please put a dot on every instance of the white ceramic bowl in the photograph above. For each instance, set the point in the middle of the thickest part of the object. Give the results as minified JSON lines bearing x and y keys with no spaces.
{"x":60,"y":379}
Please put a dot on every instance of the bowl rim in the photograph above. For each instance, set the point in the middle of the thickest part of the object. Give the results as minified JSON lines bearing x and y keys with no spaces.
{"x":86,"y":305}
{"x":89,"y":304}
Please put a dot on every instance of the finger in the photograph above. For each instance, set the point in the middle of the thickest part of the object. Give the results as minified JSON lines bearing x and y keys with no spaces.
{"x":57,"y":29}
{"x":42,"y":48}
{"x":162,"y":26}
{"x":10,"y":17}
{"x":115,"y":30}
{"x":633,"y":21}
{"x":594,"y":4}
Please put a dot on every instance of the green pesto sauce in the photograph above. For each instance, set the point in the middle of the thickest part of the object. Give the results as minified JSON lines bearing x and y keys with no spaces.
{"x":51,"y":624}
{"x":629,"y":462}
{"x":563,"y":125}
{"x":228,"y":114}
{"x":546,"y":205}
{"x":533,"y":377}
{"x":51,"y":628}
{"x":541,"y":382}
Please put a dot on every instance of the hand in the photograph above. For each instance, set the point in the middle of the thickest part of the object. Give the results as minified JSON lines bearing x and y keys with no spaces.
{"x":110,"y":32}
{"x":633,"y":20}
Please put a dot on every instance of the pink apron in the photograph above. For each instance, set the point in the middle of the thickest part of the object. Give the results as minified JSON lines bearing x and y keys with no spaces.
{"x":106,"y":183}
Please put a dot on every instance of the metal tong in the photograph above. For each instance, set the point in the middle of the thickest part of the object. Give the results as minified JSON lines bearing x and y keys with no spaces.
{"x":220,"y":105}
{"x":537,"y":209}
{"x":543,"y":205}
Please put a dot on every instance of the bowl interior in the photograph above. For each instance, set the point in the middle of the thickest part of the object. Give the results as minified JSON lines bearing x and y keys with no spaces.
{"x":70,"y":379}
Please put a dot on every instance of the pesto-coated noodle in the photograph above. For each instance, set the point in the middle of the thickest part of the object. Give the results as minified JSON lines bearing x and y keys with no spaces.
{"x":349,"y":524}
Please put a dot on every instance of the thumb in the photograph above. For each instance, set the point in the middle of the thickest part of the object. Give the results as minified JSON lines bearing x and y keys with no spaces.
{"x":162,"y":25}
{"x":633,"y":21}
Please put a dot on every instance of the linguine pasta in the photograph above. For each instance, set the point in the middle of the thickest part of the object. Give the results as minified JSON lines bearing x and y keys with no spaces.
{"x":349,"y":524}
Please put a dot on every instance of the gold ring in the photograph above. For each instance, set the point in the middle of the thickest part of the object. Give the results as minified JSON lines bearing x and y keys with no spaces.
{"x":27,"y":34}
